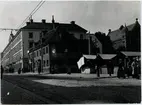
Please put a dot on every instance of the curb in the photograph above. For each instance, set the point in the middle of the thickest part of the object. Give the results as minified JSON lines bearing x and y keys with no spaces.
{"x":71,"y":78}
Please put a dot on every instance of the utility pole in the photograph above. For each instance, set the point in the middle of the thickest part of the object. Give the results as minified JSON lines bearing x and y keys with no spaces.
{"x":41,"y":52}
{"x":89,"y":42}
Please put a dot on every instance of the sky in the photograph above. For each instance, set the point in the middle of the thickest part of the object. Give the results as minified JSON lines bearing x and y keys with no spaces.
{"x":94,"y":16}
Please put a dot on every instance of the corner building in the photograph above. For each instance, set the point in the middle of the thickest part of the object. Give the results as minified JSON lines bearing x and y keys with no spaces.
{"x":16,"y":53}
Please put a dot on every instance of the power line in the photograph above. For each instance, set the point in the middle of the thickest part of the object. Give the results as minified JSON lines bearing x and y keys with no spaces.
{"x":33,"y":12}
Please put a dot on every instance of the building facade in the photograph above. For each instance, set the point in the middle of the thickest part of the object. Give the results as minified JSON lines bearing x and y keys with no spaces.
{"x":16,"y":53}
{"x":59,"y":48}
{"x":95,"y":46}
{"x":126,"y":38}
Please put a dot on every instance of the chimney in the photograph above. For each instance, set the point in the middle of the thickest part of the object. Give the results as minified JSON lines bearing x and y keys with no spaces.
{"x":43,"y":21}
{"x":31,"y":20}
{"x":27,"y":23}
{"x":53,"y":21}
{"x":72,"y":22}
{"x":109,"y":31}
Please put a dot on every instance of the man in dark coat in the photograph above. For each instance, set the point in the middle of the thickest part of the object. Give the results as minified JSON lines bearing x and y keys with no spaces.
{"x":110,"y":68}
{"x":39,"y":66}
{"x":120,"y":72}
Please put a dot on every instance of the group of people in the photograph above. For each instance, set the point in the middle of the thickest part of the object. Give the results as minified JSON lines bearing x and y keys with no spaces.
{"x":130,"y":68}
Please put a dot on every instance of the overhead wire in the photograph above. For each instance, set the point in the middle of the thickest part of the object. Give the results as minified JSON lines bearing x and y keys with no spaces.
{"x":32,"y":13}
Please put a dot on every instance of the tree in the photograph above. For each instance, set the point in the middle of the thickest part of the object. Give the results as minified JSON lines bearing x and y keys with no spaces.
{"x":106,"y":42}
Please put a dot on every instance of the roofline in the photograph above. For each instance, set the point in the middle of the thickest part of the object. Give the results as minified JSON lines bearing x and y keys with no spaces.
{"x":23,"y":28}
{"x":124,"y":27}
{"x":12,"y":39}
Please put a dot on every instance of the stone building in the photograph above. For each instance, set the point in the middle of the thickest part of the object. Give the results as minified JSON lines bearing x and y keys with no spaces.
{"x":126,"y":38}
{"x":16,"y":53}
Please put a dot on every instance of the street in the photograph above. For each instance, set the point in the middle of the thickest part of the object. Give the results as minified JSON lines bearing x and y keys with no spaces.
{"x":27,"y":89}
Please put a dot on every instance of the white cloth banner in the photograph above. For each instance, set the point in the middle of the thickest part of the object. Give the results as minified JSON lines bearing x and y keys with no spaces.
{"x":80,"y":62}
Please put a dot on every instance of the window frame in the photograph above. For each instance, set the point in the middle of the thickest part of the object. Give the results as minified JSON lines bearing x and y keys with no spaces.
{"x":30,"y":34}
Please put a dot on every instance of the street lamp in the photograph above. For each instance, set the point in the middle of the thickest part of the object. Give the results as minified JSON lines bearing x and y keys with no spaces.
{"x":29,"y":59}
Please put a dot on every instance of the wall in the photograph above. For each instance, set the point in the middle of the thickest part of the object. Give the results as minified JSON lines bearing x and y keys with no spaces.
{"x":26,"y":39}
{"x":13,"y":52}
{"x":77,"y":34}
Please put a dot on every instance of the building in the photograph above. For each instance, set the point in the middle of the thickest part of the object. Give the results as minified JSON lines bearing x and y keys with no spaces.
{"x":95,"y":44}
{"x":16,"y":53}
{"x":126,"y":38}
{"x":59,"y":48}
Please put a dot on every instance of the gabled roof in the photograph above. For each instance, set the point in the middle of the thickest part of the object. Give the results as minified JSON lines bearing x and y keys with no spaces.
{"x":49,"y":26}
{"x":107,"y":56}
{"x":130,"y":27}
{"x":118,"y":31}
{"x":90,"y":56}
{"x":126,"y":53}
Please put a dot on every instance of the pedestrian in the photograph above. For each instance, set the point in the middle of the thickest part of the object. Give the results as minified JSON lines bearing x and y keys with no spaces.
{"x":19,"y":71}
{"x":133,"y":66}
{"x":2,"y":70}
{"x":39,"y":67}
{"x":109,"y":67}
{"x":129,"y":68}
{"x":98,"y":69}
{"x":136,"y":68}
{"x":120,"y":72}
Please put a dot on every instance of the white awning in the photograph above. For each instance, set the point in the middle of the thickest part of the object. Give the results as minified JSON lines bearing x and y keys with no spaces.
{"x":90,"y":56}
{"x":107,"y":56}
{"x":131,"y":53}
{"x":81,"y":62}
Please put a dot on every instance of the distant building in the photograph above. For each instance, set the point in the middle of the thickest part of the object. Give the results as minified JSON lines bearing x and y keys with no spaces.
{"x":95,"y":44}
{"x":126,"y":38}
{"x":16,"y":53}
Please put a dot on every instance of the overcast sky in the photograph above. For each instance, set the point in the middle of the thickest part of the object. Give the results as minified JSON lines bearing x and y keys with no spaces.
{"x":92,"y":15}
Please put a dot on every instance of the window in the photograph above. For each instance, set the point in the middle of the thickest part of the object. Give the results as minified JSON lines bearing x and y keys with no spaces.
{"x":34,"y":54}
{"x":37,"y":53}
{"x":43,"y":50}
{"x":44,"y":63}
{"x":46,"y":49}
{"x":81,"y":36}
{"x":47,"y":63}
{"x":30,"y":35}
{"x":30,"y":44}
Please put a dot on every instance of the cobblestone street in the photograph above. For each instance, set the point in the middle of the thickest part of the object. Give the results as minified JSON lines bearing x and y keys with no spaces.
{"x":67,"y":91}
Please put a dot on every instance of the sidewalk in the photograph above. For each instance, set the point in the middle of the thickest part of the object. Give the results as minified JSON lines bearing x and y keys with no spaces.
{"x":74,"y":76}
{"x":64,"y":75}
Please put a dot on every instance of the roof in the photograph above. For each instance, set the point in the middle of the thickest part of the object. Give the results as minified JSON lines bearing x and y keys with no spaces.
{"x":90,"y":56}
{"x":49,"y":26}
{"x":130,"y":27}
{"x":131,"y":53}
{"x":118,"y":31}
{"x":107,"y":56}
